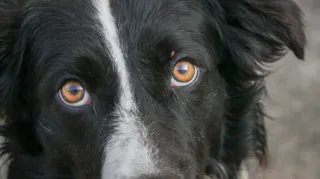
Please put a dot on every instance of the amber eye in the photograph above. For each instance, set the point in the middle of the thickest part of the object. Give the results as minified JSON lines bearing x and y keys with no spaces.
{"x":184,"y":73}
{"x":73,"y":94}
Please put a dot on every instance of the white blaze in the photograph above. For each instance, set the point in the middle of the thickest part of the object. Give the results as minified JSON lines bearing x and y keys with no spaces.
{"x":128,"y":152}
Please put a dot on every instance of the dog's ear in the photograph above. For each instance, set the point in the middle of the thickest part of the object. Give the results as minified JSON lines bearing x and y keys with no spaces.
{"x":257,"y":32}
{"x":274,"y":21}
{"x":10,"y":55}
{"x":250,"y":35}
{"x":14,"y":106}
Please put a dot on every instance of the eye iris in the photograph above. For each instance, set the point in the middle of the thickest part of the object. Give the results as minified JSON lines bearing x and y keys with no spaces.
{"x":184,"y":71}
{"x":72,"y":92}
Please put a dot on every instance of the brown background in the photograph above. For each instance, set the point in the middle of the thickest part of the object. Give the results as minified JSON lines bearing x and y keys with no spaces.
{"x":294,"y":88}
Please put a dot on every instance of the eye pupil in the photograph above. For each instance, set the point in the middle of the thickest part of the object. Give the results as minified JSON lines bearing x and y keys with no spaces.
{"x":74,"y":89}
{"x":182,"y":69}
{"x":184,"y":73}
{"x":72,"y":92}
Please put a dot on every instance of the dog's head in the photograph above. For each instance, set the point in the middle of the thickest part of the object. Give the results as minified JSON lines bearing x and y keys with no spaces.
{"x":103,"y":89}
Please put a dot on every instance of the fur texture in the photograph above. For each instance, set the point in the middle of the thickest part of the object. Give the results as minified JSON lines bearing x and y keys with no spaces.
{"x":123,"y":52}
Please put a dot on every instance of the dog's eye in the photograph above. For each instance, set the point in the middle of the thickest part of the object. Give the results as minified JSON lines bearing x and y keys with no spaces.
{"x":184,"y":73}
{"x":73,"y":94}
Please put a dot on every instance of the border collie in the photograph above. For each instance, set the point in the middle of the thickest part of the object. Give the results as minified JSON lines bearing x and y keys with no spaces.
{"x":138,"y":89}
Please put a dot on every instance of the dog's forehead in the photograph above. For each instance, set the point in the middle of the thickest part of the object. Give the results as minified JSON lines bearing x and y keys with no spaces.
{"x":145,"y":8}
{"x":147,"y":27}
{"x":77,"y":23}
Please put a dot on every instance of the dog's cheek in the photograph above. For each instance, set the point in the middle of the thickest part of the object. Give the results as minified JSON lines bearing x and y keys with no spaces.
{"x":207,"y":115}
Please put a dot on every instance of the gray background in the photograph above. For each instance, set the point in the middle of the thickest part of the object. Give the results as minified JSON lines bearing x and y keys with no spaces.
{"x":294,"y":88}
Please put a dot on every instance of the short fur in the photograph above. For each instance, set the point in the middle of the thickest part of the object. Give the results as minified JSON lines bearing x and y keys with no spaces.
{"x":209,"y":128}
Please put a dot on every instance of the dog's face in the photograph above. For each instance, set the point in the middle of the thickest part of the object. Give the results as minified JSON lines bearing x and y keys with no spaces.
{"x":118,"y":89}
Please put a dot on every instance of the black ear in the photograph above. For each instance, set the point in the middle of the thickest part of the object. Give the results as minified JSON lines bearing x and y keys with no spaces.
{"x":18,"y":128}
{"x":275,"y":21}
{"x":251,"y":34}
{"x":257,"y":32}
{"x":10,"y":55}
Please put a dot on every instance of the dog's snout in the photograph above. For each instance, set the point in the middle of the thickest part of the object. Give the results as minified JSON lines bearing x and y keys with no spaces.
{"x":160,"y":175}
{"x":164,"y":175}
{"x":177,"y":169}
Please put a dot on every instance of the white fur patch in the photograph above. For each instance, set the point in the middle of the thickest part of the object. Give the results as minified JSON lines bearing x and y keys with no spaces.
{"x":243,"y":174}
{"x":128,"y":152}
{"x":4,"y":162}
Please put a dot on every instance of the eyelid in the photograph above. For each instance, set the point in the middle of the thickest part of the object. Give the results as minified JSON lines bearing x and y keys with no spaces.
{"x":184,"y":56}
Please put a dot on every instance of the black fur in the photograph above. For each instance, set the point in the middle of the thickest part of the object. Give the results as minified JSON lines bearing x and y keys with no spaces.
{"x":208,"y":128}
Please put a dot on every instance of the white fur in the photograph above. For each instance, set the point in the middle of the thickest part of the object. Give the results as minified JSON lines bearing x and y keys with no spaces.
{"x":128,"y":152}
{"x":243,"y":174}
{"x":4,"y":160}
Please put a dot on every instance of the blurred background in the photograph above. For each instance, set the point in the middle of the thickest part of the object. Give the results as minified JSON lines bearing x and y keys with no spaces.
{"x":294,"y":88}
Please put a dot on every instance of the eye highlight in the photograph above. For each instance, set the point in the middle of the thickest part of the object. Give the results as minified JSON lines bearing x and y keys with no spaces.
{"x":73,"y":94}
{"x":184,"y":73}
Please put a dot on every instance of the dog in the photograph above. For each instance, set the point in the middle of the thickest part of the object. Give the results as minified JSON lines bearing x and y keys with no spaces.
{"x":139,"y":89}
